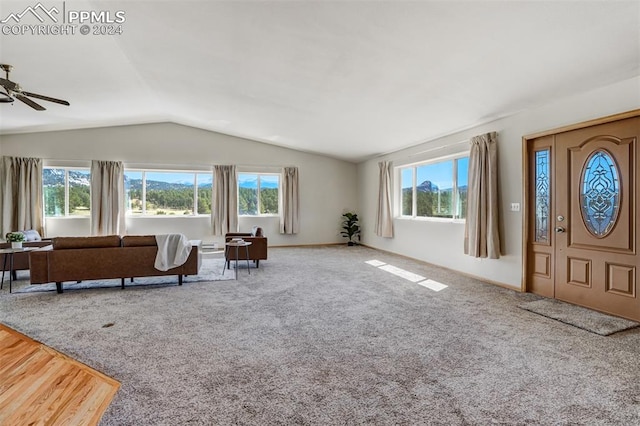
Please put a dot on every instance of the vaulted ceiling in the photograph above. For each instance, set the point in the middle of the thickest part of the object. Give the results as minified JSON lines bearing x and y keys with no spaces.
{"x":349,"y":79}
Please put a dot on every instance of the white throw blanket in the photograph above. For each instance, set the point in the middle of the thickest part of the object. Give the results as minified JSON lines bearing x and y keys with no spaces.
{"x":173,"y":251}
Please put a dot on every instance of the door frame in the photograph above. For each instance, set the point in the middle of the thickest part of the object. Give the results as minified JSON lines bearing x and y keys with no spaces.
{"x":526,"y":176}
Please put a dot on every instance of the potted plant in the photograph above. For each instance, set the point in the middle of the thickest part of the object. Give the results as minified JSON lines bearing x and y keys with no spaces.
{"x":351,"y":227}
{"x":16,"y":239}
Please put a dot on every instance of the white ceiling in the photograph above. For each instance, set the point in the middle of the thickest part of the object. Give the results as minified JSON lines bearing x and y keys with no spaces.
{"x":349,"y":79}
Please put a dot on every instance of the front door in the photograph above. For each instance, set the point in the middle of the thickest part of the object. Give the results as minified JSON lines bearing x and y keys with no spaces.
{"x":584,"y":228}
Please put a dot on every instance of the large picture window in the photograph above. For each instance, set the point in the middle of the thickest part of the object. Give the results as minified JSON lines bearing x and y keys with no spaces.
{"x":436,"y":189}
{"x":67,"y":192}
{"x":167,"y":193}
{"x":258,"y":194}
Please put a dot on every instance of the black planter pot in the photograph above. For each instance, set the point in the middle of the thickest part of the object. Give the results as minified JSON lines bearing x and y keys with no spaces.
{"x":351,"y":243}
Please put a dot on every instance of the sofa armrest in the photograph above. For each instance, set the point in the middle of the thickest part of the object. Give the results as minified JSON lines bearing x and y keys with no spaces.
{"x":39,"y":266}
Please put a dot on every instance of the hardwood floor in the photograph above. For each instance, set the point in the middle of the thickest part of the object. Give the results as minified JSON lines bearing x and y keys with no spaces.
{"x":39,"y":385}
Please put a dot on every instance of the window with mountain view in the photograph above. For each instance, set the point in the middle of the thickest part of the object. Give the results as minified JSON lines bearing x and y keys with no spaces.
{"x":165,"y":193}
{"x":258,"y":194}
{"x":67,"y":192}
{"x":435,"y":189}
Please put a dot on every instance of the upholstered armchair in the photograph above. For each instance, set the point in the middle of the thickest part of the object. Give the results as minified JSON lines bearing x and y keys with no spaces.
{"x":257,"y":249}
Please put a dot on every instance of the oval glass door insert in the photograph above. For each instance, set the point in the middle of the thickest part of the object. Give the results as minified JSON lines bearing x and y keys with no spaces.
{"x":600,"y":193}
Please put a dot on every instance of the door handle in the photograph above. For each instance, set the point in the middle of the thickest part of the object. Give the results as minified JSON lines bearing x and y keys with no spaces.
{"x":559,"y":229}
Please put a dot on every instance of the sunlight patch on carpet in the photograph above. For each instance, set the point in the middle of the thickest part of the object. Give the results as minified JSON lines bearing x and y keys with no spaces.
{"x":414,"y":278}
{"x":410,"y":276}
{"x":433,"y":285}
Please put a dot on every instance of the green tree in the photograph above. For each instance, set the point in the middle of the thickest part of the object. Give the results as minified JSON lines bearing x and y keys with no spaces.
{"x":204,"y":200}
{"x":247,"y":201}
{"x":269,"y":200}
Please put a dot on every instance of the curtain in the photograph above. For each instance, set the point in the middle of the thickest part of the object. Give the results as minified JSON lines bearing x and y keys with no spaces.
{"x":384,"y":219}
{"x":107,"y":198}
{"x":290,"y":215}
{"x":481,"y":234}
{"x":21,"y":191}
{"x":224,"y":214}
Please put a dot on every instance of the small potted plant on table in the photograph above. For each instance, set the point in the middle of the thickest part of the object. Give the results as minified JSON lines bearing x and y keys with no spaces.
{"x":351,"y":227}
{"x":16,"y":239}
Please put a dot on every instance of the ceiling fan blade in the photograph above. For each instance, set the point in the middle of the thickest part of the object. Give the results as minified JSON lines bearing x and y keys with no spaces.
{"x":45,"y":98}
{"x":29,"y":102}
{"x":8,"y":84}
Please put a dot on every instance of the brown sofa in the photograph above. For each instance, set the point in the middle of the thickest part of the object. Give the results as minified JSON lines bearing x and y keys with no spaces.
{"x":108,"y":257}
{"x":257,"y":249}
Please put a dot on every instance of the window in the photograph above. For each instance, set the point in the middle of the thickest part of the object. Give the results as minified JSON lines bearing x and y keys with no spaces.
{"x":166,"y":193}
{"x":258,"y":194}
{"x":67,"y":192}
{"x":436,"y":189}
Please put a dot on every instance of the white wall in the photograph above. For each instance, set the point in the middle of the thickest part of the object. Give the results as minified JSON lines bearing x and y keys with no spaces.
{"x":442,"y":243}
{"x":327,"y":185}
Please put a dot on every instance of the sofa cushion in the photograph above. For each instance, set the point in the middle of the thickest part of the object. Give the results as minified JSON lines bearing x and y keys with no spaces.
{"x":139,"y":241}
{"x":62,"y":243}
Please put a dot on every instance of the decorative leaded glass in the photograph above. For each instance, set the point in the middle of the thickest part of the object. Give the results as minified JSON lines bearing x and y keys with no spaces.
{"x":543,"y":196}
{"x":600,"y":193}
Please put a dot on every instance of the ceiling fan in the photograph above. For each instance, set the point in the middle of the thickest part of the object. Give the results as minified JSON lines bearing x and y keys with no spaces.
{"x":13,"y":90}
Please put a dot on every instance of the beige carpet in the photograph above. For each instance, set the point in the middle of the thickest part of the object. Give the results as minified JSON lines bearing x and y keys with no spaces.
{"x":317,"y":336}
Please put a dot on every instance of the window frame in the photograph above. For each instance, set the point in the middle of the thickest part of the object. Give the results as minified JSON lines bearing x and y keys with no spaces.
{"x":129,"y":213}
{"x":454,"y":158}
{"x":259,"y":174}
{"x":66,"y":213}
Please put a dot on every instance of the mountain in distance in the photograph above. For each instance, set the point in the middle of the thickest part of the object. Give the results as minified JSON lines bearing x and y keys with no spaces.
{"x":136,"y":184}
{"x":55,"y":177}
{"x":428,"y":186}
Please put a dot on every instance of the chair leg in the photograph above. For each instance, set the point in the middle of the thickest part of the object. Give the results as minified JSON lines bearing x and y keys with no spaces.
{"x":15,"y":275}
{"x":257,"y":263}
{"x":122,"y":283}
{"x":180,"y":279}
{"x":59,"y":287}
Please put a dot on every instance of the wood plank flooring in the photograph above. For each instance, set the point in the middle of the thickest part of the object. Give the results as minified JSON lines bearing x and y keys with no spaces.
{"x":39,"y":385}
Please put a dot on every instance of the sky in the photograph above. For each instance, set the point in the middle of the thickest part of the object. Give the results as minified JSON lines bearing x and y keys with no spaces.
{"x":440,"y":173}
{"x":173,"y":177}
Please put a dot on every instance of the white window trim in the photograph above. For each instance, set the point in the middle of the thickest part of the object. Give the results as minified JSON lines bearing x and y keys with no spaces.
{"x":414,"y":200}
{"x":66,"y":192}
{"x":144,"y":170}
{"x":245,"y":172}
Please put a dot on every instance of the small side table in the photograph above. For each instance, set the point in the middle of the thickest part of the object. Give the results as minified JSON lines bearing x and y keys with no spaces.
{"x":237,"y":245}
{"x":8,"y":255}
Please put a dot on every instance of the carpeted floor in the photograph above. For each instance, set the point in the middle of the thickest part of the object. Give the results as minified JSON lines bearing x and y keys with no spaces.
{"x":316,"y":336}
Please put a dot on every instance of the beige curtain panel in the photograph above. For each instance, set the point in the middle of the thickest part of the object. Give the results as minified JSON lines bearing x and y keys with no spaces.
{"x":21,"y":194}
{"x":384,"y":219}
{"x":107,"y":198}
{"x":481,"y":234}
{"x":224,"y":215}
{"x":290,"y":214}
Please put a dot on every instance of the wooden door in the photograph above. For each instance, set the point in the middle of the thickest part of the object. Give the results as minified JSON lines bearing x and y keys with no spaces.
{"x":589,"y":256}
